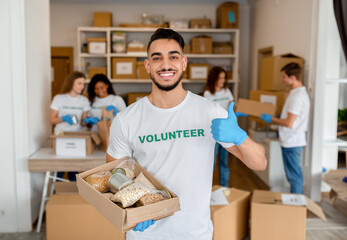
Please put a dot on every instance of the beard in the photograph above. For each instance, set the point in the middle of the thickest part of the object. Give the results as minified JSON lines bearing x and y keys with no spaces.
{"x":167,"y":88}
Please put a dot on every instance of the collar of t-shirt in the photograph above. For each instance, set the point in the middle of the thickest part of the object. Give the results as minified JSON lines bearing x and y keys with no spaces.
{"x":298,"y":89}
{"x":185,"y":100}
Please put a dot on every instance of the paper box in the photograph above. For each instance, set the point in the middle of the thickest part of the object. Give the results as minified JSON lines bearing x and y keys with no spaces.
{"x":338,"y":187}
{"x":273,"y":219}
{"x":124,"y":68}
{"x":201,"y":45}
{"x":198,"y":71}
{"x":231,"y":221}
{"x":222,"y":48}
{"x":75,"y":143}
{"x":97,"y":45}
{"x":133,"y":97}
{"x":128,"y":218}
{"x":255,"y":108}
{"x":200,"y":23}
{"x":96,"y":70}
{"x":102,"y":19}
{"x":70,"y":217}
{"x":141,"y":72}
{"x":271,"y":71}
{"x":228,"y":15}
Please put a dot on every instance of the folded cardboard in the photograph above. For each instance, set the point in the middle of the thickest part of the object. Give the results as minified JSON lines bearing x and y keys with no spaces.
{"x":133,"y":97}
{"x":70,"y":217}
{"x":141,"y":72}
{"x":126,"y":219}
{"x":338,"y":187}
{"x":228,"y":15}
{"x":271,"y":219}
{"x":231,"y":221}
{"x":271,"y":71}
{"x":97,"y":45}
{"x":255,"y":108}
{"x":75,"y":143}
{"x":102,"y":19}
{"x":200,"y":23}
{"x":198,"y":71}
{"x":201,"y":45}
{"x":124,"y":68}
{"x":222,"y":48}
{"x":96,"y":70}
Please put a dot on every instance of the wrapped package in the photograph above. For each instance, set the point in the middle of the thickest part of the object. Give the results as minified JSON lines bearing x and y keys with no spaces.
{"x":99,"y":180}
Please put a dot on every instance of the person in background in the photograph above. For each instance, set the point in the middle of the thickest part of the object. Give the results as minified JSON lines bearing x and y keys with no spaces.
{"x":69,"y":108}
{"x":293,"y":125}
{"x":172,"y":134}
{"x":101,"y":93}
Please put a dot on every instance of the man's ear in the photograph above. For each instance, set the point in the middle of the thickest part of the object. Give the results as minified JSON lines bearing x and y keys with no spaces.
{"x":185,"y":62}
{"x":146,"y":63}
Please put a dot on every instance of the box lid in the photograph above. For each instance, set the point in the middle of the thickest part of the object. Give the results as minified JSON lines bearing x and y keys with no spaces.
{"x":78,"y":134}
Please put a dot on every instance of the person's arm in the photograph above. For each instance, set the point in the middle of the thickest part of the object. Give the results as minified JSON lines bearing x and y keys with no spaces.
{"x":286,"y":122}
{"x":53,"y":117}
{"x":84,"y":116}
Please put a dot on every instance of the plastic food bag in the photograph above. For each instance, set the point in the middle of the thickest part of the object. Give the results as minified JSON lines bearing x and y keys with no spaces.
{"x":99,"y":180}
{"x":149,"y":199}
{"x":141,"y":178}
{"x":129,"y":167}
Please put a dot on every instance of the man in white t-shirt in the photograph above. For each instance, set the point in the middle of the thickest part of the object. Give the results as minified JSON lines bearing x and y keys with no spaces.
{"x":169,"y":134}
{"x":293,"y":125}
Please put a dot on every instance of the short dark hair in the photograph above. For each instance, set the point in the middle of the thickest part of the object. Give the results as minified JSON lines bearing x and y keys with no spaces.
{"x":213,"y":78}
{"x":91,"y":87}
{"x":69,"y":81}
{"x":166,"y":33}
{"x":292,"y":69}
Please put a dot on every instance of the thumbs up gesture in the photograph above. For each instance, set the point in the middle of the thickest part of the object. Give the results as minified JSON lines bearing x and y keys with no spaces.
{"x":227,"y":130}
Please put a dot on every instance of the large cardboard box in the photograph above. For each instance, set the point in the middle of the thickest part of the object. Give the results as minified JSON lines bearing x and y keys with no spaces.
{"x":198,"y":71}
{"x":70,"y":217}
{"x":222,"y":48}
{"x":338,"y":187}
{"x":124,"y":68}
{"x":270,"y":71}
{"x":201,"y":45}
{"x":200,"y":23}
{"x":133,"y":97}
{"x":102,"y":19}
{"x":96,"y":70}
{"x":75,"y":143}
{"x":141,"y":72}
{"x":97,"y":45}
{"x":231,"y":221}
{"x":126,"y":219}
{"x":228,"y":15}
{"x":255,"y":108}
{"x":272,"y":219}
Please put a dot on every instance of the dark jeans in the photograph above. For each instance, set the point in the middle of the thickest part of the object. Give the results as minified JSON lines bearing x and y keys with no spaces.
{"x":224,"y":171}
{"x":291,"y":162}
{"x":71,"y":175}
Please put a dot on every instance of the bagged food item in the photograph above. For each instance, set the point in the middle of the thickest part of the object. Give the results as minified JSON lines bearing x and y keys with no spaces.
{"x":149,"y":199}
{"x":129,"y":167}
{"x":99,"y":180}
{"x":141,"y":178}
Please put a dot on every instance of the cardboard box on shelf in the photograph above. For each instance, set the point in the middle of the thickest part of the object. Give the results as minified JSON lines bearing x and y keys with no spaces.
{"x":124,"y":68}
{"x":102,"y":19}
{"x":126,"y":218}
{"x":97,"y":45}
{"x":136,"y":49}
{"x":198,"y":71}
{"x":141,"y":72}
{"x":133,"y":97}
{"x":228,"y":15}
{"x":271,"y":71}
{"x":186,"y":49}
{"x":75,"y":143}
{"x":272,"y":218}
{"x":255,"y":108}
{"x":96,"y":70}
{"x":201,"y":45}
{"x":69,"y":216}
{"x":222,"y":48}
{"x":231,"y":220}
{"x":200,"y":23}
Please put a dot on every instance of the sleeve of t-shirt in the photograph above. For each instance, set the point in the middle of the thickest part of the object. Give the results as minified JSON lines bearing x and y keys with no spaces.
{"x":56,"y":103}
{"x":119,"y":103}
{"x":295,"y":105}
{"x":230,"y":95}
{"x":222,"y":113}
{"x":207,"y":94}
{"x":86,"y":104}
{"x":118,"y":146}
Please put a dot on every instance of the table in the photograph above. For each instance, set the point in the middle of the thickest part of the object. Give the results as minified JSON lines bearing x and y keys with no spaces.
{"x":44,"y":160}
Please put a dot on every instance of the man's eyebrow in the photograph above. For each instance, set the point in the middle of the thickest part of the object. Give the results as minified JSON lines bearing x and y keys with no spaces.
{"x":156,"y":53}
{"x":174,"y":52}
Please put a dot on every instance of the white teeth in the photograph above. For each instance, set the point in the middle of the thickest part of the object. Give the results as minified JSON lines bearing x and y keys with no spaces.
{"x":166,"y":74}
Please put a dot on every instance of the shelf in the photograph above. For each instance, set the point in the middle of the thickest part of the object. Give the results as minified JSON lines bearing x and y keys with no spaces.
{"x":336,"y":142}
{"x":144,"y":54}
{"x":337,"y":80}
{"x":88,"y":55}
{"x":150,"y":81}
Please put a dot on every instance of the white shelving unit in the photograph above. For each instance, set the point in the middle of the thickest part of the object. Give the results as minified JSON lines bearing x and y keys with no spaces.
{"x":143,"y":34}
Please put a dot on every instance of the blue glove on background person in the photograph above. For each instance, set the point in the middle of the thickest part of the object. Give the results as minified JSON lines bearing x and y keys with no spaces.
{"x":91,"y":120}
{"x":68,"y":119}
{"x":240,"y":114}
{"x":111,"y":107}
{"x":227,"y":130}
{"x":266,"y":117}
{"x":142,"y":226}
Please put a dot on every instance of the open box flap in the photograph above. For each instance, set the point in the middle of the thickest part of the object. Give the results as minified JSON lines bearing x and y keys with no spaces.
{"x":315,"y":209}
{"x":96,"y":138}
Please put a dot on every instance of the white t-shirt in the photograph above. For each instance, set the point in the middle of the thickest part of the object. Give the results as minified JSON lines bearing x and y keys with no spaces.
{"x":223,"y":97}
{"x":65,"y":104}
{"x":298,"y":103}
{"x":98,"y":103}
{"x":176,"y":146}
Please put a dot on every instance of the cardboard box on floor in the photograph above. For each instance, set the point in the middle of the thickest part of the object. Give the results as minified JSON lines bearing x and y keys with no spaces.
{"x":272,"y":220}
{"x":128,"y":218}
{"x":75,"y":143}
{"x":255,"y":108}
{"x":338,"y":187}
{"x":70,"y":217}
{"x":231,"y":221}
{"x":270,"y":71}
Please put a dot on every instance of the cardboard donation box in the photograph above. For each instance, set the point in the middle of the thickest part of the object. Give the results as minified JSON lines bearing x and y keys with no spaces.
{"x":230,"y":221}
{"x":201,"y":45}
{"x":126,"y":218}
{"x":75,"y":143}
{"x":96,"y":70}
{"x":70,"y":217}
{"x":280,"y":216}
{"x":141,"y":72}
{"x":198,"y":71}
{"x":271,"y":71}
{"x":102,"y":19}
{"x":200,"y":23}
{"x":338,"y":187}
{"x":124,"y":68}
{"x":254,"y":108}
{"x":133,"y":97}
{"x":97,"y":45}
{"x":222,"y":48}
{"x":228,"y":15}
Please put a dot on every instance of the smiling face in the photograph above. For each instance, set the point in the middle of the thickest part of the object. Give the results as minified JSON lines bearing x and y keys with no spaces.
{"x":101,"y":89}
{"x":166,"y":64}
{"x":221,"y":80}
{"x":286,"y":79}
{"x":78,"y":85}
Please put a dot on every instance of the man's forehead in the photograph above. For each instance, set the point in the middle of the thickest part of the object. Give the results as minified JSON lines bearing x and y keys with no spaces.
{"x":164,"y":46}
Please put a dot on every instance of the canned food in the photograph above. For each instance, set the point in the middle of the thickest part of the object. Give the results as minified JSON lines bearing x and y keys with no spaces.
{"x":118,"y":181}
{"x":118,"y":170}
{"x":165,"y":193}
{"x":74,"y":118}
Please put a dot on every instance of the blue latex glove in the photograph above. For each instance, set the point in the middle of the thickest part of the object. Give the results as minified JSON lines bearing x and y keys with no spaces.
{"x":91,"y":120}
{"x":240,"y":114}
{"x":111,"y":107}
{"x":142,"y":226}
{"x":266,"y":117}
{"x":68,"y":119}
{"x":227,"y":130}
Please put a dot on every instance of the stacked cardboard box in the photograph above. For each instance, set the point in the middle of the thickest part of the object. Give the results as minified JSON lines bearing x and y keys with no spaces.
{"x":102,"y":19}
{"x":201,"y":45}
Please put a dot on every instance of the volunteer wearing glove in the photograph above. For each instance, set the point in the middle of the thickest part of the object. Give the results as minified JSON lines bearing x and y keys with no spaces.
{"x":69,"y":108}
{"x":293,"y":125}
{"x":169,"y":134}
{"x":101,"y":93}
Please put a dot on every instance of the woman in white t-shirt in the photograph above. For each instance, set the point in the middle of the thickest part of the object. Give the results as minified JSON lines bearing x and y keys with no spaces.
{"x":69,"y":108}
{"x":101,"y":93}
